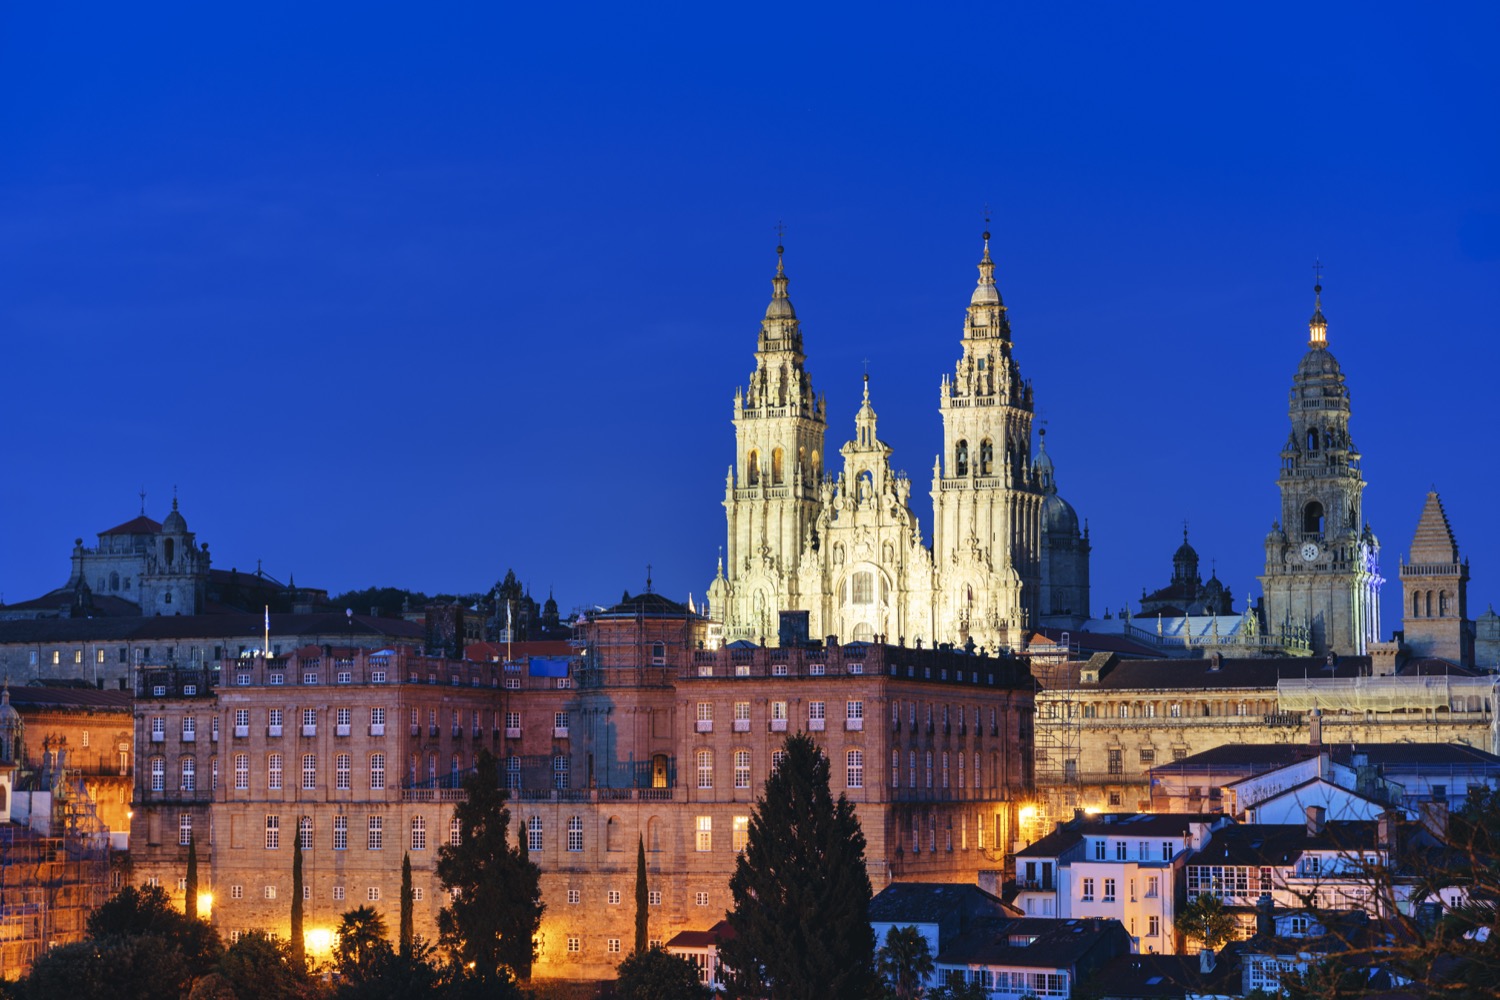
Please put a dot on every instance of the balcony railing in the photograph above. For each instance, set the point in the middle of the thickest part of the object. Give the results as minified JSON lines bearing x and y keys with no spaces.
{"x":241,"y":732}
{"x":704,"y":726}
{"x":512,"y":732}
{"x":742,"y":725}
{"x":341,"y":730}
{"x":273,"y":730}
{"x":854,"y":725}
{"x":816,"y":725}
{"x":778,"y":725}
{"x":377,"y":729}
{"x":310,"y":730}
{"x":559,"y":732}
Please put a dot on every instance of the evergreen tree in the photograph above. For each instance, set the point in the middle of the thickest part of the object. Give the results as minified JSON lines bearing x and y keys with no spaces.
{"x":407,"y":907}
{"x":496,"y":891}
{"x":642,"y":915}
{"x":656,"y":974}
{"x":801,"y":916}
{"x":298,"y":944}
{"x":190,"y":900}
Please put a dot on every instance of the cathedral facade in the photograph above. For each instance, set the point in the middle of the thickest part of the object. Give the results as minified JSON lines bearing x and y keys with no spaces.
{"x":847,"y":547}
{"x":1322,"y":573}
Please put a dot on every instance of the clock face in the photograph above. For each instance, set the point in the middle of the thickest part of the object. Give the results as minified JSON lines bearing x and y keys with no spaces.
{"x":1309,"y":551}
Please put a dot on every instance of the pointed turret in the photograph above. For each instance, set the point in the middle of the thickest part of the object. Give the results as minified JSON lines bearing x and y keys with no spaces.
{"x":1317,"y":327}
{"x":1434,"y":542}
{"x":779,"y":330}
{"x":986,"y":315}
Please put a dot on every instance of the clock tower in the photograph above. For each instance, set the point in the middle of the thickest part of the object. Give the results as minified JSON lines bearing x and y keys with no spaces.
{"x":1322,"y":578}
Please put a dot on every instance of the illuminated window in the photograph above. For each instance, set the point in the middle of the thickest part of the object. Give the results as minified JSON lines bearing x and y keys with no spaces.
{"x":418,"y":833}
{"x":740,"y":833}
{"x":273,"y":833}
{"x":705,"y":839}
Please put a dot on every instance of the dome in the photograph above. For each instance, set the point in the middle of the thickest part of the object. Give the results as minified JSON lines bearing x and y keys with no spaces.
{"x":1318,"y":361}
{"x":8,"y":714}
{"x":780,"y":308}
{"x":1185,"y":551}
{"x":175,"y":524}
{"x":1058,"y":516}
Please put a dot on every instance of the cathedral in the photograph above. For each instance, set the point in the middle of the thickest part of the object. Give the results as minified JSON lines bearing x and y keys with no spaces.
{"x":846,"y":547}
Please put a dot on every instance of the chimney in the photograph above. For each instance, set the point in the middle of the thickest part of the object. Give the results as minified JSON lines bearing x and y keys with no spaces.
{"x":1206,"y":961}
{"x":1265,"y":920}
{"x":1315,"y":727}
{"x":1315,"y":817}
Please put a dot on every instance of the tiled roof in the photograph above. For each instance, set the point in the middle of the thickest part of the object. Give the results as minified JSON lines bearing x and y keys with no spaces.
{"x":1116,"y":825}
{"x":1147,"y":977}
{"x":933,"y":902}
{"x":168,"y":627}
{"x":141,"y":525}
{"x":710,"y":938}
{"x":1227,"y":672}
{"x":1051,"y":943}
{"x":1253,"y":844}
{"x":43,"y":697}
{"x":1261,"y":757}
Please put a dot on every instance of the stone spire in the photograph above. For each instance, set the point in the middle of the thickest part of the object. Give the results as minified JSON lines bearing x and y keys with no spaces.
{"x":986,"y":314}
{"x":1434,"y":542}
{"x":779,"y":329}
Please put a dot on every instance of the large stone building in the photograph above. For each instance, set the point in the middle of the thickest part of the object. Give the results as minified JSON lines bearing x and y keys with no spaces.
{"x":643,"y":736}
{"x":847,"y":548}
{"x":1322,"y":560}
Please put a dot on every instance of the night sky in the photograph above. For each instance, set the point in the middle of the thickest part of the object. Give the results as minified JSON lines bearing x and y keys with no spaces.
{"x":410,"y":294}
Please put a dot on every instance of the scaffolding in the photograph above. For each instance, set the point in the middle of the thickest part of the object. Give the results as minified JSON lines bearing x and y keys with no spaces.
{"x":1058,"y":739}
{"x":50,"y":883}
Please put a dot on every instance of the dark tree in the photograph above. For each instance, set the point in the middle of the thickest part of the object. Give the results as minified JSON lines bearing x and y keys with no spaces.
{"x":190,"y":899}
{"x":390,"y":975}
{"x":257,"y":968}
{"x":298,"y":944}
{"x":801,"y":914}
{"x":642,"y":913}
{"x":495,"y":890}
{"x":656,"y":974}
{"x":407,"y":932}
{"x":1205,"y":921}
{"x":905,"y":961}
{"x":361,"y":936}
{"x":148,"y":911}
{"x":116,"y":967}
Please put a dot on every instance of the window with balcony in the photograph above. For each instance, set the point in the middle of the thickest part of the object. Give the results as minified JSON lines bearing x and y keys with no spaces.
{"x":742,"y":716}
{"x":560,"y":724}
{"x":560,"y":771}
{"x":705,"y":717}
{"x":854,"y":715}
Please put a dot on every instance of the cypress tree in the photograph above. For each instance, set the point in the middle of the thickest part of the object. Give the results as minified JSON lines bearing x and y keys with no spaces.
{"x":641,"y":914}
{"x":190,"y":902}
{"x":299,"y":957}
{"x":496,"y":892}
{"x":407,"y":915}
{"x":801,"y":913}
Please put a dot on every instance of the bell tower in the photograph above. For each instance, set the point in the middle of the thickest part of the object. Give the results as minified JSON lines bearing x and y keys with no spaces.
{"x":1322,"y":579}
{"x":771,"y":495}
{"x":986,"y":500}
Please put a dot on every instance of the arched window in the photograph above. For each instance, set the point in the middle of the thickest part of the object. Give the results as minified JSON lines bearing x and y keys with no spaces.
{"x":855,"y":777}
{"x":189,"y":774}
{"x":114,"y":581}
{"x":817,"y":465}
{"x":613,"y":838}
{"x":986,"y":457}
{"x":1416,"y":604}
{"x":1312,"y":439}
{"x":169,"y":549}
{"x":777,"y":470}
{"x":961,"y":458}
{"x":1428,"y":610}
{"x":752,"y":468}
{"x":1312,"y":518}
{"x":1442,"y":603}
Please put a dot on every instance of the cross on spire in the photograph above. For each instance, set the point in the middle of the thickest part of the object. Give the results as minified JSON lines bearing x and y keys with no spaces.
{"x":143,"y":500}
{"x":1318,"y":273}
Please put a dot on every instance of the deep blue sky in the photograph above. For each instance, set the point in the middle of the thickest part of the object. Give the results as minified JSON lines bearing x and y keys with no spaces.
{"x":405,"y":294}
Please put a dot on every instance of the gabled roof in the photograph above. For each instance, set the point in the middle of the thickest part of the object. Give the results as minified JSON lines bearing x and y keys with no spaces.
{"x":933,"y":903}
{"x":1259,"y":758}
{"x":710,"y":938}
{"x":1254,"y":844}
{"x":1146,"y":977}
{"x":141,"y":525}
{"x":1116,"y":825}
{"x":1033,"y":942}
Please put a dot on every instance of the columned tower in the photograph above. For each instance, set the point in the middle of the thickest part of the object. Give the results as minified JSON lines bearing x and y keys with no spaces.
{"x":1322,"y":561}
{"x":771,"y":494}
{"x":986,"y":501}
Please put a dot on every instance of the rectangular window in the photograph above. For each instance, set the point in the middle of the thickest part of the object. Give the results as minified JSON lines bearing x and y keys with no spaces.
{"x":158,"y":774}
{"x":705,"y":768}
{"x":338,"y":892}
{"x":742,"y":769}
{"x":705,"y":840}
{"x":739,"y":833}
{"x":1153,"y":886}
{"x":816,"y":712}
{"x":534,"y":834}
{"x":1098,"y":850}
{"x":701,"y":899}
{"x":309,"y":770}
{"x":574,"y":897}
{"x":418,"y":833}
{"x":613,"y":897}
{"x":1166,"y":850}
{"x":1148,"y":758}
{"x":373,"y":894}
{"x":375,"y":840}
{"x":574,"y":945}
{"x":377,"y":772}
{"x":653,"y":898}
{"x":1109,"y":890}
{"x":241,"y":771}
{"x":341,"y":769}
{"x":236,"y":892}
{"x":1088,"y":890}
{"x":340,"y":834}
{"x":1153,"y":926}
{"x":184,"y":828}
{"x":1116,"y":762}
{"x":273,"y":833}
{"x":270,"y":892}
{"x":273,"y":772}
{"x":613,"y":946}
{"x":855,"y":768}
{"x":1119,"y":850}
{"x":305,"y":832}
{"x":575,"y":834}
{"x":854,"y":715}
{"x":189,"y":729}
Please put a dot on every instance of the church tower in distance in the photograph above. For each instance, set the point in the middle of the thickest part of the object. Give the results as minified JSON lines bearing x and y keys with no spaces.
{"x":772,"y":492}
{"x":986,"y":501}
{"x":1322,"y":578}
{"x":1435,"y":591}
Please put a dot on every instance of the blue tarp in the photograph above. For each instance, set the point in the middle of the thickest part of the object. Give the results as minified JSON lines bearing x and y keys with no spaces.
{"x":547,"y":666}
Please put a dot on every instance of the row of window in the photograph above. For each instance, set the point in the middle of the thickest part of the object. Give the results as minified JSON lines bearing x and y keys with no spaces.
{"x":1086,"y":889}
{"x":949,"y":716}
{"x":343,"y":721}
{"x":984,"y":836}
{"x":374,"y":832}
{"x":948,"y":766}
{"x":1143,"y":850}
{"x":372,"y":893}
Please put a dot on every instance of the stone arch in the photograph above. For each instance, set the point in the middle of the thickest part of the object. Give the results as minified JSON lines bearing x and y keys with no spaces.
{"x":961,"y":458}
{"x":986,"y":457}
{"x":778,"y":466}
{"x":1312,"y":518}
{"x":653,"y":835}
{"x":752,"y":468}
{"x":614,"y":835}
